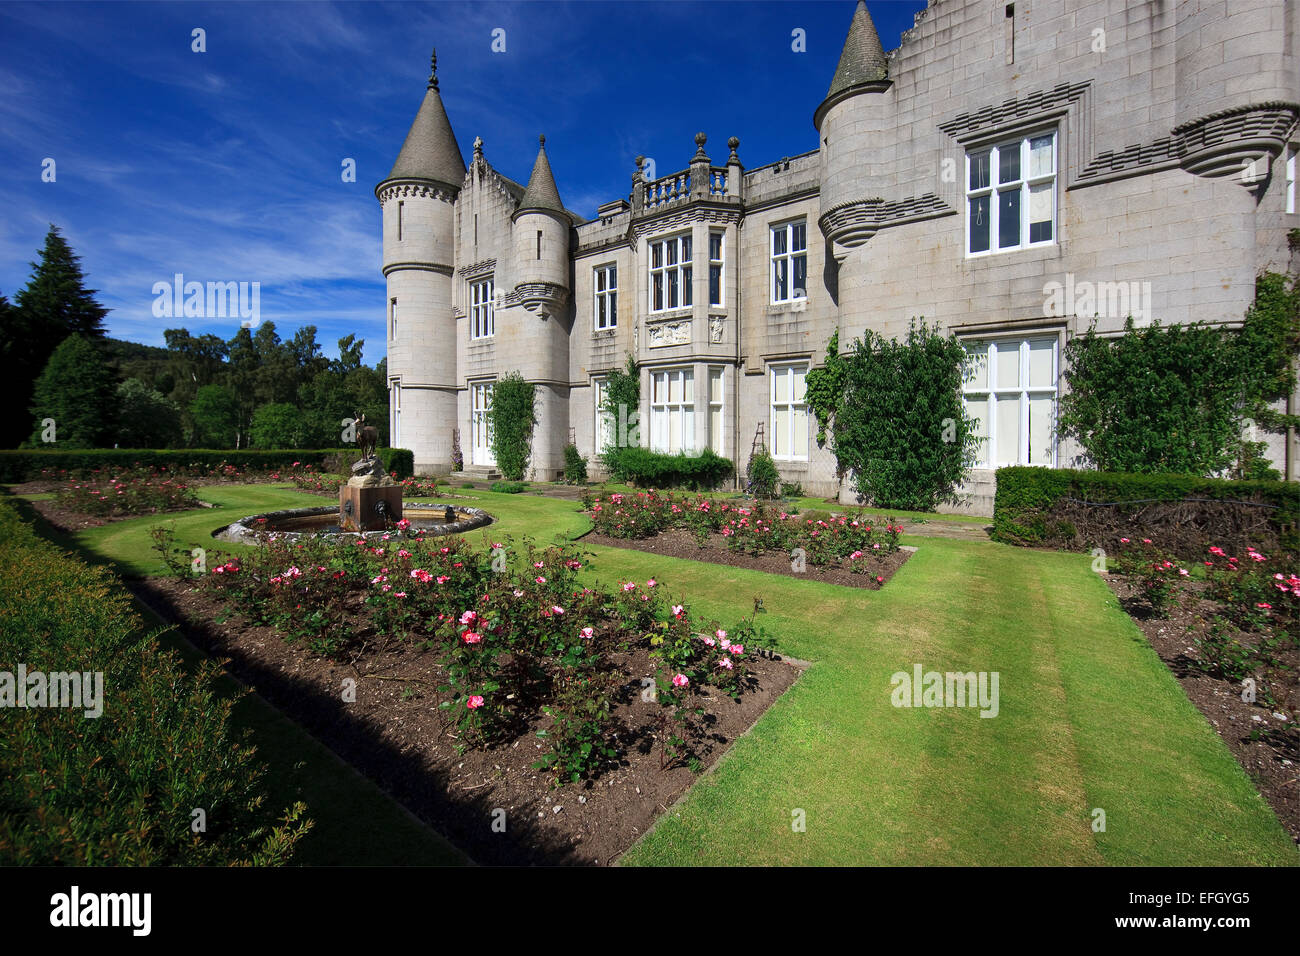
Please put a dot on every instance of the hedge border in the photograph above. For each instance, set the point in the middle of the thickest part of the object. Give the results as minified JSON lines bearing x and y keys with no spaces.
{"x":1025,"y":496}
{"x":25,"y":464}
{"x":649,"y":469}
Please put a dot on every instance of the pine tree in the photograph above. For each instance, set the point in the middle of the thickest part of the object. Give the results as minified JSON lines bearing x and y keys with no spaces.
{"x":54,"y":305}
{"x":76,"y":390}
{"x":56,"y":302}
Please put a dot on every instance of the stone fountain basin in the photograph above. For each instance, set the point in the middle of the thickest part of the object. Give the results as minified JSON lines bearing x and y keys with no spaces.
{"x":295,"y":523}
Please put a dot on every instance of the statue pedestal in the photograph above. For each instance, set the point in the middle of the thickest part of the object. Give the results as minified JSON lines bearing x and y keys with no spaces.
{"x":369,"y":507}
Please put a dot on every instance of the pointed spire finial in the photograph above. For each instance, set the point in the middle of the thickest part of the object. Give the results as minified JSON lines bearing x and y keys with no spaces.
{"x":433,"y":69}
{"x":541,"y":141}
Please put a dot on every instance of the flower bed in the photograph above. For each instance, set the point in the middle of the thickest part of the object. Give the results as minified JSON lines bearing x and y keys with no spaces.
{"x":119,"y":497}
{"x":545,"y":691}
{"x":1229,"y":629}
{"x":845,"y":548}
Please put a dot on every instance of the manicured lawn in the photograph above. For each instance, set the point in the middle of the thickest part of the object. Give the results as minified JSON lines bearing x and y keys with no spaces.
{"x":128,"y":544}
{"x":1089,"y":716}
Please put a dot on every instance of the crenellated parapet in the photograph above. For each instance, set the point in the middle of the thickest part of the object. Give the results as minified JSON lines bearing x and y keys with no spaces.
{"x":415,"y":189}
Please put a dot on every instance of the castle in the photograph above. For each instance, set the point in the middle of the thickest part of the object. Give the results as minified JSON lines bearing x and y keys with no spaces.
{"x":1013,"y":171}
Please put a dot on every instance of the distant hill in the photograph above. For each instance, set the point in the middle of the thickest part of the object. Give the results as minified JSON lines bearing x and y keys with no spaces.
{"x":149,"y":363}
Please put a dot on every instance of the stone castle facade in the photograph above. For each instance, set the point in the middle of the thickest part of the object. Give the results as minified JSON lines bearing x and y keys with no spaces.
{"x":1013,"y":171}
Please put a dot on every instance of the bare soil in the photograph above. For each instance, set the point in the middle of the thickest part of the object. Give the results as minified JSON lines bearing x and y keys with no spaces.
{"x":1265,"y":744}
{"x":677,"y":543}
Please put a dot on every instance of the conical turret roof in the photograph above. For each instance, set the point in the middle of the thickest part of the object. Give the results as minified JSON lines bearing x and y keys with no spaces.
{"x":863,"y":59}
{"x":542,"y":192}
{"x":430,"y":150}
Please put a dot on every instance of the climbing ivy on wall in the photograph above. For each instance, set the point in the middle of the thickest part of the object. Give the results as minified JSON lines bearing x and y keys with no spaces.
{"x":895,"y":417}
{"x":622,"y":388}
{"x":513,"y":414}
{"x":1176,"y":398}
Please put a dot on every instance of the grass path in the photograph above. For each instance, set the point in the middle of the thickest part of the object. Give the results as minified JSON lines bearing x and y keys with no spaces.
{"x":1089,"y":717}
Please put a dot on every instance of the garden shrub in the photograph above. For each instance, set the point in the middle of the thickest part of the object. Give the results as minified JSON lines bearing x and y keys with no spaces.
{"x":119,"y":789}
{"x":649,"y":469}
{"x":1076,"y":510}
{"x":512,"y":415}
{"x":791,"y":489}
{"x":896,"y":417}
{"x":509,"y":487}
{"x":575,"y":465}
{"x":764,"y":481}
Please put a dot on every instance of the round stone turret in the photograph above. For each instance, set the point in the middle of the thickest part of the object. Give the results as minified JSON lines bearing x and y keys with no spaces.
{"x":541,"y":234}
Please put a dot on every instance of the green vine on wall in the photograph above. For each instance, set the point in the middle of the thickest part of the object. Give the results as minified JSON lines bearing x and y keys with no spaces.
{"x":1176,"y":398}
{"x":895,"y":417}
{"x":513,"y":414}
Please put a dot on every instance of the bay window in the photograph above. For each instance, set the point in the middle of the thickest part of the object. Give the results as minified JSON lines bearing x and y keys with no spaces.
{"x":670,"y":273}
{"x":672,"y":410}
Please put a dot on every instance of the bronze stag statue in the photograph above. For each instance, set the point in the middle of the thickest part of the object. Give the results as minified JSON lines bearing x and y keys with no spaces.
{"x":367,"y":437}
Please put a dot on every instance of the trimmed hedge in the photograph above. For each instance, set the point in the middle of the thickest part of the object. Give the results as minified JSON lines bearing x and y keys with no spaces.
{"x":121,"y":788}
{"x":26,"y":464}
{"x":648,"y":469}
{"x":1069,"y":509}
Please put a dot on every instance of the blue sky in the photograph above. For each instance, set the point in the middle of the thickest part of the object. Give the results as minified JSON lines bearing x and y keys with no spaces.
{"x":226,"y":165}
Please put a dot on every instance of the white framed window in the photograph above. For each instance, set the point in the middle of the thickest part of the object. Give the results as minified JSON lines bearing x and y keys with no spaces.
{"x":1011,"y":195}
{"x":672,"y":410}
{"x":392,"y":324}
{"x":716,"y":405}
{"x":717,"y":241}
{"x":395,"y":402}
{"x":789,"y":411}
{"x":480,"y":426}
{"x":481,"y":318}
{"x":1009,"y":385}
{"x":789,"y":254}
{"x":605,"y":282}
{"x":605,"y":422}
{"x":1290,"y":177}
{"x":670,"y":273}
